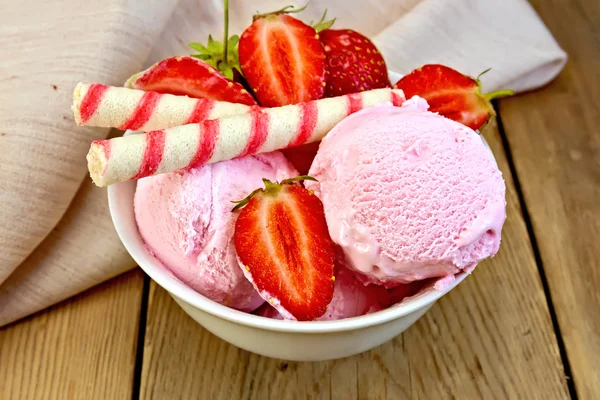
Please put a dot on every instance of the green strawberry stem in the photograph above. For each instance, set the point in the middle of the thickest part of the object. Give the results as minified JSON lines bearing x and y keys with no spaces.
{"x":285,"y":10}
{"x":482,"y":73}
{"x":322,"y":24}
{"x":241,"y":203}
{"x":493,"y":95}
{"x":298,"y":179}
{"x":498,"y":93}
{"x":226,"y":23}
{"x":223,"y":56}
{"x":271,"y":189}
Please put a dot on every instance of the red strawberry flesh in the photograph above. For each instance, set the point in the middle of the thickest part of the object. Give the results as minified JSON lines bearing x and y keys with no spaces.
{"x":282,"y":60}
{"x":450,"y":93}
{"x":282,"y":241}
{"x":302,"y":156}
{"x":191,"y":77}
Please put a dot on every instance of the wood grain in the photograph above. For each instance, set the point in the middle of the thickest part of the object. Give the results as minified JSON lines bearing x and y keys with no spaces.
{"x":556,"y":151}
{"x":490,"y":338}
{"x":81,"y":349}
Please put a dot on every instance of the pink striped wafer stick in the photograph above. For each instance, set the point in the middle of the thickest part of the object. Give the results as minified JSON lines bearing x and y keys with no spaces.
{"x":259,"y":131}
{"x":123,"y":108}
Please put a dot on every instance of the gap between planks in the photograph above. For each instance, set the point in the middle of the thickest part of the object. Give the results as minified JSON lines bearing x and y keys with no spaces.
{"x":141,"y":338}
{"x":538,"y":259}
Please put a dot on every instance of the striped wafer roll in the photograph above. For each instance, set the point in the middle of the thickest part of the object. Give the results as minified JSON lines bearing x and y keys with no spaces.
{"x":123,"y":108}
{"x":260,"y":130}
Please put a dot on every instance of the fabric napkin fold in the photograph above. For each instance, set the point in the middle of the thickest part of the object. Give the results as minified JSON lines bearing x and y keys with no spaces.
{"x":56,"y":235}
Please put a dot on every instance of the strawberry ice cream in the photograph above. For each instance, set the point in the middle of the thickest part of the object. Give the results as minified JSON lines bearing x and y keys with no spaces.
{"x":186,"y":221}
{"x":409,"y":194}
{"x":350,"y":299}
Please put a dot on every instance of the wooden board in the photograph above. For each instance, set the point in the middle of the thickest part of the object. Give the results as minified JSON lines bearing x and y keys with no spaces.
{"x":554,"y":135}
{"x":490,"y":338}
{"x":84,"y":348}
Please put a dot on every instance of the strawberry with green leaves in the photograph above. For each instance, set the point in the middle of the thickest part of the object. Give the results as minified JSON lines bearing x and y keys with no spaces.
{"x":208,"y":74}
{"x":354,"y":64}
{"x":283,"y":245}
{"x":282,"y":59}
{"x":451,"y":94}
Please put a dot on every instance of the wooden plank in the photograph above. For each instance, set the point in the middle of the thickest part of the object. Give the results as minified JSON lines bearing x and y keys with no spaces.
{"x":490,"y":338}
{"x":84,"y":348}
{"x":554,"y":136}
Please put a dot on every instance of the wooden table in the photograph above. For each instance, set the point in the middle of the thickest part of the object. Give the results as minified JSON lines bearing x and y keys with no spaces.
{"x":525,"y":325}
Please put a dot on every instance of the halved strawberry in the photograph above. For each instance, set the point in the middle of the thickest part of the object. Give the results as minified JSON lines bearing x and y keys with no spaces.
{"x":283,"y":244}
{"x":282,"y":59}
{"x":353,"y":63}
{"x":452,"y":94}
{"x":191,"y":77}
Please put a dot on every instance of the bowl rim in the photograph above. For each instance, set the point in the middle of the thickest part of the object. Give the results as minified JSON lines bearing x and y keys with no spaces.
{"x":159,"y":273}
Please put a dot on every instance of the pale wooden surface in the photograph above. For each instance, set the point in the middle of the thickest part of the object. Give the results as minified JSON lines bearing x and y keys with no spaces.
{"x":84,"y":348}
{"x":554,"y":135}
{"x":490,"y":338}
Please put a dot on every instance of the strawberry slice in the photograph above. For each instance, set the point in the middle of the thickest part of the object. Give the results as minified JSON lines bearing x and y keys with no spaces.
{"x":353,"y":63}
{"x":282,"y":59}
{"x":451,"y":94}
{"x":284,"y":248}
{"x":191,"y":77}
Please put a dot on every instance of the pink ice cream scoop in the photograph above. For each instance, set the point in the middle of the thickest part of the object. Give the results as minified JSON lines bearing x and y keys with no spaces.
{"x":186,"y":221}
{"x":351,"y":298}
{"x":408,"y":194}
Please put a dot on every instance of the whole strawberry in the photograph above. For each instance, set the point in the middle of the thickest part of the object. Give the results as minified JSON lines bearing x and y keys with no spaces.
{"x":282,"y":59}
{"x":353,"y":63}
{"x":451,"y":94}
{"x":283,"y":244}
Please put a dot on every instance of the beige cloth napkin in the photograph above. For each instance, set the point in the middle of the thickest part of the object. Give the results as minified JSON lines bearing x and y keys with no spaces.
{"x":56,"y":236}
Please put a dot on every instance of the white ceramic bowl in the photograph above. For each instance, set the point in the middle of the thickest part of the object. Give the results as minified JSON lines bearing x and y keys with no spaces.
{"x":298,"y":341}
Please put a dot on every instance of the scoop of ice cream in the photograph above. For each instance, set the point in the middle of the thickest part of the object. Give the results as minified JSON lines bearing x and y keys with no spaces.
{"x":185,"y":219}
{"x":268,"y":311}
{"x":408,"y":194}
{"x":351,"y":298}
{"x":407,"y":290}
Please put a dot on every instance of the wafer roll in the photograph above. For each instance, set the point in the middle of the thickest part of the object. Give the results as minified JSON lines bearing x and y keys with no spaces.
{"x":194,"y":145}
{"x":123,"y":108}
